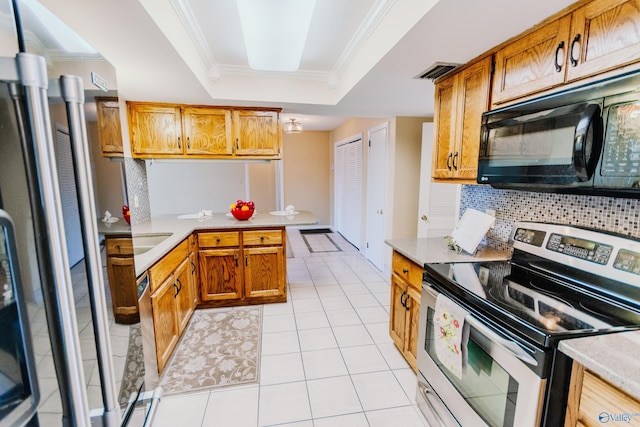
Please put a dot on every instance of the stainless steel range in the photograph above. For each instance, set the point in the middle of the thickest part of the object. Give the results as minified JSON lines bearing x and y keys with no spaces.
{"x":562,"y":282}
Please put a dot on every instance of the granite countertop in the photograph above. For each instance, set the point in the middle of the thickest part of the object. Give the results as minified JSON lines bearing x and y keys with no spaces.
{"x":179,"y":229}
{"x":119,"y":227}
{"x":613,"y":357}
{"x":435,"y":250}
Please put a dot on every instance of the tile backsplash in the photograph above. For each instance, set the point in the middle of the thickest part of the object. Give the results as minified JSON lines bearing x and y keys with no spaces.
{"x":621,"y":216}
{"x":137,"y":186}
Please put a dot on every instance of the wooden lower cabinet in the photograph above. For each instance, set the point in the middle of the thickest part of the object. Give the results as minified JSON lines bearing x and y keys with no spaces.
{"x":406,"y":283}
{"x":220,"y":275}
{"x":594,"y":401}
{"x":173,"y":299}
{"x":165,"y":324}
{"x":121,"y":273}
{"x":242,"y":267}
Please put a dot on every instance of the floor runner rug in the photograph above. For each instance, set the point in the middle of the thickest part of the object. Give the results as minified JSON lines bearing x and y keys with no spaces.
{"x":320,"y":242}
{"x":220,"y":347}
{"x":133,"y":374}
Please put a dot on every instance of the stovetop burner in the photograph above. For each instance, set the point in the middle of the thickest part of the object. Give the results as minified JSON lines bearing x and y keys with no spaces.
{"x":545,"y":295}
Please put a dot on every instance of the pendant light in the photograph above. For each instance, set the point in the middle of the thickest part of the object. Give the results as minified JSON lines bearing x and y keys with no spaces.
{"x":292,"y":126}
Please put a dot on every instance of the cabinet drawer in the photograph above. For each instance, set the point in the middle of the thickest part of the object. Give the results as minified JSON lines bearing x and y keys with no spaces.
{"x":217,"y":239}
{"x":119,"y":246}
{"x":262,"y":237}
{"x":407,"y":269}
{"x":163,"y":268}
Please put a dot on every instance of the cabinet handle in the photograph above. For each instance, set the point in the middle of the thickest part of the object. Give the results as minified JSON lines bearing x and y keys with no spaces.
{"x":193,"y":267}
{"x":455,"y":166}
{"x":402,"y":296}
{"x":179,"y":143}
{"x":188,"y":143}
{"x":236,"y":260}
{"x":406,"y":306}
{"x":237,"y":146}
{"x":405,"y":271}
{"x":180,"y":283}
{"x":574,"y":61}
{"x":449,"y":161}
{"x":555,"y":62}
{"x":177,"y":290}
{"x":246,"y":260}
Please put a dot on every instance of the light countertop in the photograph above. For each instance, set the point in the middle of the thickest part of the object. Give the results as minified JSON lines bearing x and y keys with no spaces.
{"x":119,"y":227}
{"x":613,"y":357}
{"x":179,"y":229}
{"x":435,"y":250}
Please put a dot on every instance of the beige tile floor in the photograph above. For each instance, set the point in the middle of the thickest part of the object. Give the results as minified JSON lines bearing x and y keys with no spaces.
{"x":327,"y":358}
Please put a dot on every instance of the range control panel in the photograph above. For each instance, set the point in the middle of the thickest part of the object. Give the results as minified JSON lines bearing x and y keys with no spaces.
{"x":628,"y":261}
{"x":580,"y":248}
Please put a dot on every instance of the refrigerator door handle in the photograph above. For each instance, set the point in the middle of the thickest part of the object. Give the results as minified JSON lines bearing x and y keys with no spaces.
{"x":72,"y":92}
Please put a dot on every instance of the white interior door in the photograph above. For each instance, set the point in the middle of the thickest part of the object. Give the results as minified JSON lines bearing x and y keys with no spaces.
{"x":348,"y":191}
{"x":439,"y":204}
{"x":376,"y":183}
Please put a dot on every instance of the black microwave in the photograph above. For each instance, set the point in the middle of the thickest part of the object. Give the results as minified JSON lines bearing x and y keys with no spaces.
{"x":586,"y":141}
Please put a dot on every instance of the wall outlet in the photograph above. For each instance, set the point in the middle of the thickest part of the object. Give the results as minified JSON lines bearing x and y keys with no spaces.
{"x":136,"y":202}
{"x":483,"y":275}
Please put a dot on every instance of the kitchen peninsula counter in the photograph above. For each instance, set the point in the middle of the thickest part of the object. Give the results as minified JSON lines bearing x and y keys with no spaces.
{"x":179,"y":229}
{"x":435,"y":250}
{"x":613,"y":357}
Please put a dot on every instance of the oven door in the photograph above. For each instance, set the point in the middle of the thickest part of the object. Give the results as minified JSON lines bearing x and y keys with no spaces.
{"x":496,"y":389}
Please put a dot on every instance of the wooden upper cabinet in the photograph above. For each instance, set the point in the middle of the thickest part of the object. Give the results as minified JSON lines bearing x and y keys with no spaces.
{"x":185,"y":131}
{"x":604,"y":35}
{"x":109,"y":128}
{"x":155,"y":129}
{"x":207,"y":130}
{"x":533,"y":63}
{"x":257,"y":132}
{"x":597,"y":37}
{"x":460,"y":101}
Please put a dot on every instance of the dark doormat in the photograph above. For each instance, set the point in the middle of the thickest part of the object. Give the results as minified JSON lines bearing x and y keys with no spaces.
{"x":316,"y":231}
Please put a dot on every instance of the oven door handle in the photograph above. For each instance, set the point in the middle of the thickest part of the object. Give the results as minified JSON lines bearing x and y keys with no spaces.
{"x":510,"y":346}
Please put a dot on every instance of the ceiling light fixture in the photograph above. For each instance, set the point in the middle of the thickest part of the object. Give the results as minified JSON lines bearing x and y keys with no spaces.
{"x":275,"y":32}
{"x":292,"y":126}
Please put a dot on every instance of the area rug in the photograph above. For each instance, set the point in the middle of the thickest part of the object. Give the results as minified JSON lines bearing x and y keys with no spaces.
{"x":220,"y":347}
{"x":319,"y":241}
{"x":133,"y":374}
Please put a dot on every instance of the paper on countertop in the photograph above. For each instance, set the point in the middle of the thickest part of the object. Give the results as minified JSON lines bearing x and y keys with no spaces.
{"x":290,"y":210}
{"x":471,"y":229}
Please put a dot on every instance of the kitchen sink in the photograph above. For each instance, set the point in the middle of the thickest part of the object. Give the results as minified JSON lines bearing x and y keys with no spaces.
{"x":145,"y":242}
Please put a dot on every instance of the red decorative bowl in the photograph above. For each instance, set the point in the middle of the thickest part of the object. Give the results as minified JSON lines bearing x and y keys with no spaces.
{"x":242,"y":215}
{"x":127,"y":217}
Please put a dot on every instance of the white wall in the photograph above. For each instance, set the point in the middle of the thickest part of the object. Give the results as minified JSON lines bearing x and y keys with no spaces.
{"x":191,"y":186}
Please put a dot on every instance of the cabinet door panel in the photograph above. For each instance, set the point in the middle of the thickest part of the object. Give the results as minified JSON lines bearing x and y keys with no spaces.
{"x":264,"y":275}
{"x":472,"y":102}
{"x":528,"y":65}
{"x":155,"y":129}
{"x":165,"y":324}
{"x":207,"y":130}
{"x":443,"y":114}
{"x":109,"y":128}
{"x":609,"y":37}
{"x":184,"y":298}
{"x":220,"y":274}
{"x":411,"y":327}
{"x":121,"y":272}
{"x":257,"y":132}
{"x":397,"y":316}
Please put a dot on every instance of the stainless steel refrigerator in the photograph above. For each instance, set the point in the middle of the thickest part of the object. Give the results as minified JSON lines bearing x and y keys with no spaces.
{"x":30,"y":197}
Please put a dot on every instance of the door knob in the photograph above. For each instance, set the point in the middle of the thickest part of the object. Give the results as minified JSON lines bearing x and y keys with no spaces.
{"x":423,"y":217}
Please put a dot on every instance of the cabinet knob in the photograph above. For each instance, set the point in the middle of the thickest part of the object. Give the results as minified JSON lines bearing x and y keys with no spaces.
{"x":405,"y":271}
{"x":424,"y":217}
{"x":217,"y":240}
{"x":262,"y":238}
